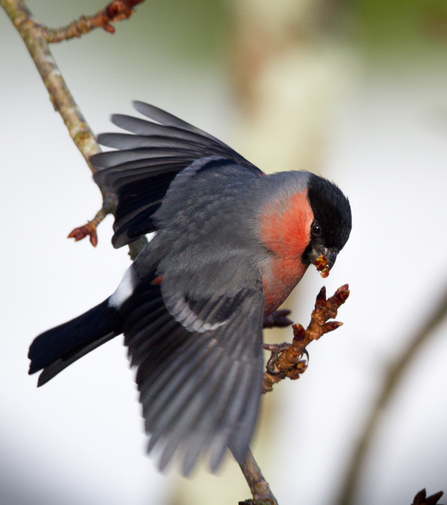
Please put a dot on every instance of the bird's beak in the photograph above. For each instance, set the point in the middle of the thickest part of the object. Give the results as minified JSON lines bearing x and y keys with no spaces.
{"x":323,"y":259}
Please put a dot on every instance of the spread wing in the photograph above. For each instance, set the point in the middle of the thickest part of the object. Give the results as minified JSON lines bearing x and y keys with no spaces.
{"x":146,"y":162}
{"x":200,"y":372}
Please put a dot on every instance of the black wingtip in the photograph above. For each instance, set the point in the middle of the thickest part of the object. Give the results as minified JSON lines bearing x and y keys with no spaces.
{"x":42,"y":377}
{"x":32,"y":370}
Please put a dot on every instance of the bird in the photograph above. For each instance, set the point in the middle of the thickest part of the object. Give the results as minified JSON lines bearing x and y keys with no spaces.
{"x":228,"y":245}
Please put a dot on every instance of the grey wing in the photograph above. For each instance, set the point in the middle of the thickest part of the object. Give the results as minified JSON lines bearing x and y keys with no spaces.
{"x":200,"y":389}
{"x":147,"y":161}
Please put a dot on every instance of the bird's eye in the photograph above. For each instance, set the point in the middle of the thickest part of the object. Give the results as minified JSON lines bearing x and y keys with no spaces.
{"x":316,"y":230}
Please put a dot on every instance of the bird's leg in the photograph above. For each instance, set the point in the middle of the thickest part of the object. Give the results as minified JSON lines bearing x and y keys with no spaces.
{"x":278,"y":319}
{"x":277,"y":348}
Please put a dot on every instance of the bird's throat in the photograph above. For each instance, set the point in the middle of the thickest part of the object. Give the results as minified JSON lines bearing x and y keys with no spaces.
{"x":279,"y":280}
{"x":285,"y":231}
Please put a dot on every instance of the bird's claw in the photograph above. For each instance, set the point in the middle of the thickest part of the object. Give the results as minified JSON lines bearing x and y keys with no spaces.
{"x":285,"y":360}
{"x":276,"y":350}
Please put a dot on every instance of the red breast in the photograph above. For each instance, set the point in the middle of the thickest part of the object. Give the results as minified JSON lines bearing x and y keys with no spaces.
{"x":284,"y":230}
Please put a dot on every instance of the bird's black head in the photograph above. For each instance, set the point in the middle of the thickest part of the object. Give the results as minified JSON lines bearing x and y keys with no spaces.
{"x":331,"y":226}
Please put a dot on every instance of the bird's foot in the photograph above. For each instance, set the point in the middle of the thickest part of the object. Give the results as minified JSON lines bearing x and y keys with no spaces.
{"x":286,"y":358}
{"x":276,"y":350}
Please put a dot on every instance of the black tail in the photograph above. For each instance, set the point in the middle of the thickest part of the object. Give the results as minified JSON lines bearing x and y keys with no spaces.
{"x":59,"y":347}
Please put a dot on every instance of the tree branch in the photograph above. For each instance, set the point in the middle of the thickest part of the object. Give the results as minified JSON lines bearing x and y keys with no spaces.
{"x":259,"y":487}
{"x":285,"y":362}
{"x":115,"y":11}
{"x":34,"y":36}
{"x":421,"y":498}
{"x":63,"y":101}
{"x":286,"y":358}
{"x":393,"y":379}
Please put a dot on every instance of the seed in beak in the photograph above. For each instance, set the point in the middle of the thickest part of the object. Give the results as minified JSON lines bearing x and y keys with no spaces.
{"x":322,"y":266}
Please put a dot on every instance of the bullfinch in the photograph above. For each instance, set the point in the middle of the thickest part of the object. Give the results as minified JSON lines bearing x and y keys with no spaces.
{"x":229,"y":245}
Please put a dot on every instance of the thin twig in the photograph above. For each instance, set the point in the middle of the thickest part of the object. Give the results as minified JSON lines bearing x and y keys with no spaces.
{"x":89,"y":229}
{"x":259,"y":487}
{"x":393,"y":379}
{"x":421,"y":498}
{"x":63,"y":101}
{"x":287,"y":362}
{"x":115,"y":11}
